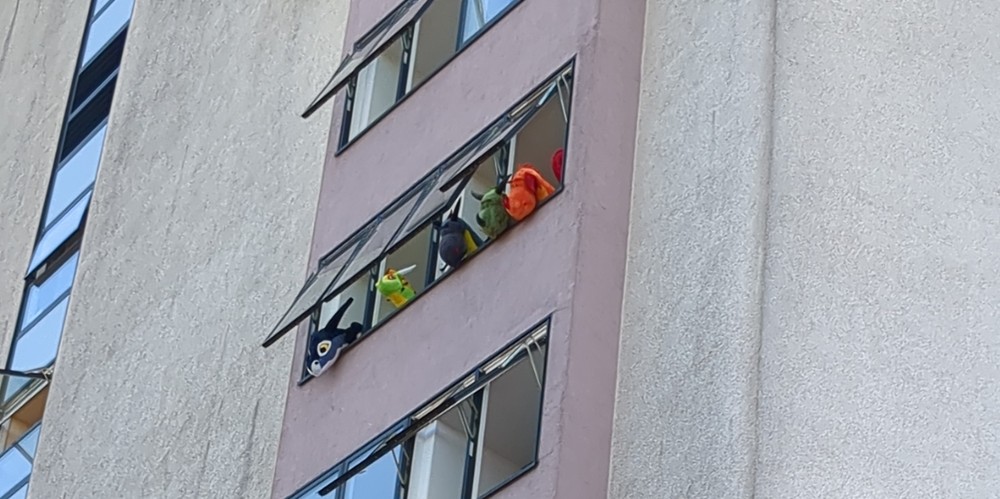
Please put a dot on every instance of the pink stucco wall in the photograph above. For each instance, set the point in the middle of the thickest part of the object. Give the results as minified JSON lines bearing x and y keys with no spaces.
{"x":568,"y":259}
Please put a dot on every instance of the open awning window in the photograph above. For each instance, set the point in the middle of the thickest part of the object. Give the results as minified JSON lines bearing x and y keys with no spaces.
{"x":19,"y":389}
{"x":526,"y":355}
{"x":416,"y":207}
{"x":368,"y":47}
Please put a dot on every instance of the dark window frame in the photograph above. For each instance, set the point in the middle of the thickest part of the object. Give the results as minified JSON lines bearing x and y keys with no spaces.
{"x":411,"y":424}
{"x":344,"y":140}
{"x":432,"y":280}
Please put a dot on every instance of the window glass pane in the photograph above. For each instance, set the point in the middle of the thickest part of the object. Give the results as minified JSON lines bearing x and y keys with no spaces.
{"x":435,"y":39}
{"x":364,"y":48}
{"x":380,"y":480}
{"x":377,"y":88}
{"x":414,"y":253}
{"x":59,"y":232}
{"x":13,"y":468}
{"x":98,"y":4}
{"x":313,"y":493}
{"x":440,"y":452}
{"x":37,"y":347}
{"x":30,"y":441}
{"x":313,"y":292}
{"x":383,"y":235}
{"x":480,"y":12}
{"x":537,"y":143}
{"x":75,"y":176}
{"x":22,"y":493}
{"x":510,"y":426}
{"x":40,"y":296}
{"x":106,"y":26}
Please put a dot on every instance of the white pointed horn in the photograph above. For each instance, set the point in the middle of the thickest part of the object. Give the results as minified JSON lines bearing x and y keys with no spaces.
{"x":407,"y":270}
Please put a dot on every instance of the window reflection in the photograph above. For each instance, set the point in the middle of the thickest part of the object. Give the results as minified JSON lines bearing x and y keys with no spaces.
{"x":40,"y":296}
{"x":36,"y":348}
{"x":478,"y":13}
{"x":381,"y":480}
{"x":75,"y":176}
{"x":107,"y":24}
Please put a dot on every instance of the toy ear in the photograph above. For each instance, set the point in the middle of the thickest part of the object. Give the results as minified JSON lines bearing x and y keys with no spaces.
{"x":341,"y":311}
{"x":477,"y":197}
{"x":454,"y":212}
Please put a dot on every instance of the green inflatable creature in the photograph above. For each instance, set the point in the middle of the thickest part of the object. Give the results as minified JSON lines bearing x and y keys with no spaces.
{"x":492,"y":216}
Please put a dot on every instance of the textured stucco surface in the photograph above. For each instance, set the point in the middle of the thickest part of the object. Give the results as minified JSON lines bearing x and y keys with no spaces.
{"x":691,"y":316}
{"x":199,"y":228}
{"x":877,"y":317}
{"x":880,"y":341}
{"x":38,"y":46}
{"x":533,"y":270}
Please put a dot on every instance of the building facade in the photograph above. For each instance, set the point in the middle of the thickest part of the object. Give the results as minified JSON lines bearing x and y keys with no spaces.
{"x":512,"y":248}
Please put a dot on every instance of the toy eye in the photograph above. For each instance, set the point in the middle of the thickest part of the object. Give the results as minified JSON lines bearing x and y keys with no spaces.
{"x":323,"y":347}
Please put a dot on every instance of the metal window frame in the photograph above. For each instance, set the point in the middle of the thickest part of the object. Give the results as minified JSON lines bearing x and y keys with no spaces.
{"x":437,"y":405}
{"x":427,"y":182}
{"x":350,"y":82}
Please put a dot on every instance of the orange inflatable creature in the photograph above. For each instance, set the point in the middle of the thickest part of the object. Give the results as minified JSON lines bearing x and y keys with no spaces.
{"x":527,"y":189}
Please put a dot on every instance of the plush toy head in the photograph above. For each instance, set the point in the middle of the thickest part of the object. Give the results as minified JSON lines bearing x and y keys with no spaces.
{"x":492,"y":216}
{"x":325,"y":344}
{"x":393,"y":281}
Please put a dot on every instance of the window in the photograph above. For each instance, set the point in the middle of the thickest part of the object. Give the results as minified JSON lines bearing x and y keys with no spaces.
{"x":15,"y":465}
{"x":109,"y":19}
{"x":411,"y":238}
{"x":477,"y":14}
{"x":404,"y":50}
{"x":469,"y":441}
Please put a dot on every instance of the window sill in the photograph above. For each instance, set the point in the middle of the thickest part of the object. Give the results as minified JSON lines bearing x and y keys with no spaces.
{"x":343,"y":145}
{"x":432,"y":285}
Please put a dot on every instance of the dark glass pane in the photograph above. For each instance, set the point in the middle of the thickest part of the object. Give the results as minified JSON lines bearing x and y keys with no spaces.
{"x":87,"y":118}
{"x":99,"y":70}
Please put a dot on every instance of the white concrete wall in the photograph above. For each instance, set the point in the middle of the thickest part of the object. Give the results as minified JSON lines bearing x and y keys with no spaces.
{"x":862,"y":359}
{"x":198,"y":237}
{"x":39,"y":42}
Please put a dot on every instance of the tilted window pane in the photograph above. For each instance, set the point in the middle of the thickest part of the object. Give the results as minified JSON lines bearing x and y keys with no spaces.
{"x":45,"y":293}
{"x":377,"y":88}
{"x":59,"y":232}
{"x":37,"y":347}
{"x":75,"y":176}
{"x":480,"y":12}
{"x":105,"y":27}
{"x":365,"y":48}
{"x":381,"y":480}
{"x":386,"y":232}
{"x":29,"y":442}
{"x":440,"y":452}
{"x":511,"y":421}
{"x":13,"y":468}
{"x":315,"y":289}
{"x":99,"y":4}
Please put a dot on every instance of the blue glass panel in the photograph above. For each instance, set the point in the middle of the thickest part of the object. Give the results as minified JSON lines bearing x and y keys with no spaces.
{"x":75,"y":176}
{"x":59,"y":232}
{"x":37,"y":347}
{"x":29,"y":442}
{"x":480,"y":12}
{"x":105,"y":27}
{"x":22,"y":493}
{"x":313,"y":493}
{"x":13,"y":468}
{"x":98,"y":4}
{"x":378,"y":481}
{"x":45,"y":293}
